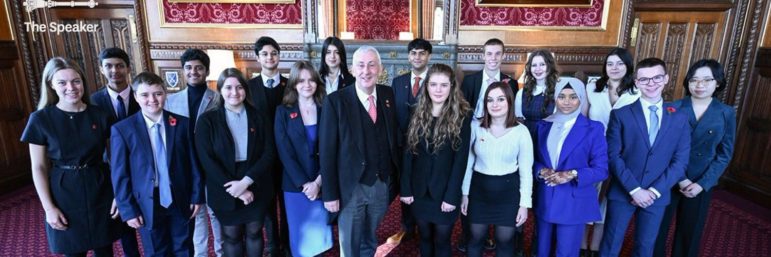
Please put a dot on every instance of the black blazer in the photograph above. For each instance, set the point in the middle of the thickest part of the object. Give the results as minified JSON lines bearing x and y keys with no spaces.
{"x":345,"y":81}
{"x":299,"y":161}
{"x":216,"y":152}
{"x":404,"y":100}
{"x":472,"y":84}
{"x":102,"y":99}
{"x":341,"y":141}
{"x":266,"y":99}
{"x":437,"y":175}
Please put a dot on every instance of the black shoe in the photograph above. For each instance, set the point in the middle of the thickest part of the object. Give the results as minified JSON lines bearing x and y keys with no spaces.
{"x":593,"y":254}
{"x":461,"y":246}
{"x":583,"y":253}
{"x":489,"y":245}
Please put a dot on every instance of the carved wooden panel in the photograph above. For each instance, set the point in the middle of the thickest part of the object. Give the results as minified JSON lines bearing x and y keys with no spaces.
{"x":673,"y":56}
{"x":648,"y":40}
{"x":14,"y":106}
{"x":702,"y":41}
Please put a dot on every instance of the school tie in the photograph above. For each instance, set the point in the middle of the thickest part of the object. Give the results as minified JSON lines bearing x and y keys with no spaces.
{"x":270,"y":83}
{"x":654,"y":120}
{"x":372,"y":108}
{"x":161,"y":168}
{"x":121,"y":108}
{"x":416,"y":87}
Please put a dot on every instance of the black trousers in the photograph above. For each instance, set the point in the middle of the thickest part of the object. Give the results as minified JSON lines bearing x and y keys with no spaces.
{"x":690,"y":215}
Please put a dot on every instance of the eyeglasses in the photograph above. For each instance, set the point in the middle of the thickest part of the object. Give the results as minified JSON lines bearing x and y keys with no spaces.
{"x":696,"y":82}
{"x":655,"y":79}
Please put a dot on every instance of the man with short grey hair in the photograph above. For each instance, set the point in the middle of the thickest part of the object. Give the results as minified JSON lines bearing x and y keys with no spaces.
{"x":359,"y":154}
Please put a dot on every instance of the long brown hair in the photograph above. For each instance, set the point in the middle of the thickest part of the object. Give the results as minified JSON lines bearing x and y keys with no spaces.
{"x":48,"y":95}
{"x":290,"y":93}
{"x":238,"y":75}
{"x":449,"y":123}
{"x":511,"y":121}
{"x":551,"y":78}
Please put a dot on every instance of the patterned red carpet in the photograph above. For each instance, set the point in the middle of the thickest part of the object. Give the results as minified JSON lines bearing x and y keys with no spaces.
{"x":735,"y":227}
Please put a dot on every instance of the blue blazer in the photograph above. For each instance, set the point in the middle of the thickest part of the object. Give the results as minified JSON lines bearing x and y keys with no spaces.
{"x":404,"y":100}
{"x":299,"y":160}
{"x":102,"y":99}
{"x":712,"y":145}
{"x":585,"y":151}
{"x":133,"y":167}
{"x":635,"y":163}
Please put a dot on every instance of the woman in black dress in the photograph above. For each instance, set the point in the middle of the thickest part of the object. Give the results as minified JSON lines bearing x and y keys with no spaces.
{"x":67,"y":138}
{"x":435,"y":159}
{"x":235,"y":146}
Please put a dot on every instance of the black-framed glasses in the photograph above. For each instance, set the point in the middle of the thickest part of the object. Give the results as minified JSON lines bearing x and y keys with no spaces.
{"x":656,"y":79}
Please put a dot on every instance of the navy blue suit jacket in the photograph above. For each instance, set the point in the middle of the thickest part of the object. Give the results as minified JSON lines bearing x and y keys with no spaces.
{"x":102,"y":99}
{"x":133,"y":167}
{"x":299,"y":160}
{"x":634,"y":162}
{"x":404,"y":100}
{"x":712,"y":145}
{"x":585,"y":151}
{"x":341,"y":141}
{"x":472,"y":85}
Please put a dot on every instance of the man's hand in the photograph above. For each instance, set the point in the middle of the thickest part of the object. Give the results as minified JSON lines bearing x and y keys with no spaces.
{"x":692,"y":190}
{"x":137,"y":222}
{"x":332,"y":206}
{"x":195,"y":208}
{"x":114,"y":213}
{"x":311,"y":190}
{"x":446,"y":207}
{"x":643,"y":198}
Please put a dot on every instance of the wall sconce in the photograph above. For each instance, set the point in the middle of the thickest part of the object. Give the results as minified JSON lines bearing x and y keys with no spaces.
{"x":220,"y":60}
{"x":405,"y":36}
{"x":347,"y":35}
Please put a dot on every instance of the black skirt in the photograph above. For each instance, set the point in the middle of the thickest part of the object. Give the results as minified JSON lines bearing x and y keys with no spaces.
{"x":242,"y":214}
{"x":494,"y":199}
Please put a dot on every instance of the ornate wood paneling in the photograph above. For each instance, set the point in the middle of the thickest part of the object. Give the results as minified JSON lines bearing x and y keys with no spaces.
{"x":673,"y":52}
{"x":702,"y":41}
{"x":14,"y":106}
{"x":648,"y":40}
{"x":750,"y":170}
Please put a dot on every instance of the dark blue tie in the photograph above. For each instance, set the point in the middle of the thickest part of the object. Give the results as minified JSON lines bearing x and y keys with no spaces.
{"x":121,"y":108}
{"x":270,"y":83}
{"x":162,"y":168}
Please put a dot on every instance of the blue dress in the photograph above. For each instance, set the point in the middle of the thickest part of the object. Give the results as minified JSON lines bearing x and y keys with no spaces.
{"x":309,"y":233}
{"x":533,"y":111}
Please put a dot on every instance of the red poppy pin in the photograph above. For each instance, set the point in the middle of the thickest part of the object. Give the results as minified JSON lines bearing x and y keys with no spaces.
{"x":388,"y":103}
{"x":172,"y":121}
{"x":93,"y":126}
{"x":293,"y":115}
{"x":671,"y":109}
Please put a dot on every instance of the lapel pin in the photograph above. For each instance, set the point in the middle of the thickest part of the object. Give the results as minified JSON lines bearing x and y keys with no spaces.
{"x":172,"y":121}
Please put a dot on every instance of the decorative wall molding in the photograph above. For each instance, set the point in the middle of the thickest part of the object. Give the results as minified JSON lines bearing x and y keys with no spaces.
{"x":474,"y":15}
{"x":702,"y":41}
{"x":230,"y":13}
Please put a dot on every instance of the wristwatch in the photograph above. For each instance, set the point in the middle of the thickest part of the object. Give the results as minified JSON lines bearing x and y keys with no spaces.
{"x":574,"y":173}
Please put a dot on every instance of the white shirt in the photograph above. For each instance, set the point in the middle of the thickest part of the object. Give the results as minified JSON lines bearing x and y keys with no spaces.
{"x":539,"y":89}
{"x":125,"y":94}
{"x":332,"y":85}
{"x":276,"y":80}
{"x":363,"y":97}
{"x":413,"y":76}
{"x":647,"y":112}
{"x":481,"y":100}
{"x":599,"y":103}
{"x":153,"y":139}
{"x":565,"y":131}
{"x":490,"y":155}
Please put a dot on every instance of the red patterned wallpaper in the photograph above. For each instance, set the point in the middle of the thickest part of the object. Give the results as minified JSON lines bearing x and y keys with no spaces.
{"x":232,"y":13}
{"x":377,"y":19}
{"x":471,"y":15}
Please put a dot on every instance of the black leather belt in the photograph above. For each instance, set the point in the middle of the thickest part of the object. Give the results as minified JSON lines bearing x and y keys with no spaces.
{"x":76,"y":167}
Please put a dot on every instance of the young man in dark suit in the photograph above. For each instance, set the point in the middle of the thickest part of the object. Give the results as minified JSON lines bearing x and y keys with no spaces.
{"x":406,"y":88}
{"x":157,"y":184}
{"x":474,"y":87}
{"x":267,"y":92}
{"x":116,"y":98}
{"x":359,"y":154}
{"x":649,"y":144}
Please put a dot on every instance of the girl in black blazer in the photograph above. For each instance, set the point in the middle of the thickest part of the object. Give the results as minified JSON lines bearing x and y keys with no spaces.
{"x":713,"y":131}
{"x":334,"y":66}
{"x":435,"y":159}
{"x":296,"y":127}
{"x":235,"y":147}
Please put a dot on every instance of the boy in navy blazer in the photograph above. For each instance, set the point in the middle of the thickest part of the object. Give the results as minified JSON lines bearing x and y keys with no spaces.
{"x":117,"y":99}
{"x":648,"y":149}
{"x":406,"y":88}
{"x":158,"y":187}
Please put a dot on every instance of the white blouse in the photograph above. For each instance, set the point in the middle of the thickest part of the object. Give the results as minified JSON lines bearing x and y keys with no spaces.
{"x":599,"y":103}
{"x":503,"y":155}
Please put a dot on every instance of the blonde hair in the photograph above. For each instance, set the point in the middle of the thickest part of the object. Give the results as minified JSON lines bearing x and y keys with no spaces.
{"x":48,"y":95}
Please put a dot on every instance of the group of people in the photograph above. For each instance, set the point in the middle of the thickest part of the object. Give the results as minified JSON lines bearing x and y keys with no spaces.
{"x":296,"y":156}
